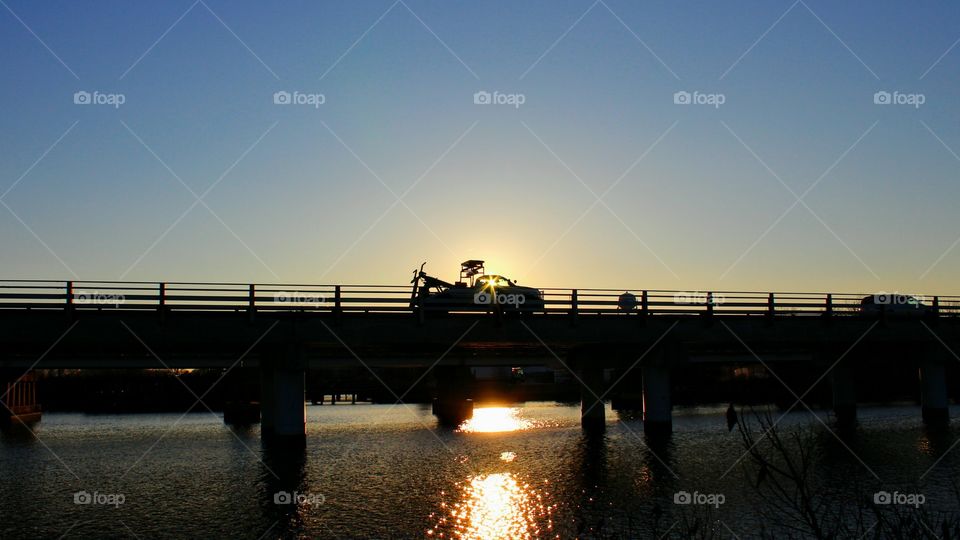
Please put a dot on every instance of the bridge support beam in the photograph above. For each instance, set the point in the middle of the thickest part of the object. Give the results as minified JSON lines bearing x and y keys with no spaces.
{"x":592,"y":413}
{"x":282,"y":400}
{"x":657,"y":406}
{"x":844,"y":390}
{"x":933,"y":389}
{"x":453,"y":405}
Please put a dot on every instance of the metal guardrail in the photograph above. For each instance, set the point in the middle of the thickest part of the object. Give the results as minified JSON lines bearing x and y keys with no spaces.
{"x":238,"y":297}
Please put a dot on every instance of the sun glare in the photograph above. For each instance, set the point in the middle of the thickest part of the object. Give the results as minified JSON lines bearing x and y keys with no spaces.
{"x":495,"y":420}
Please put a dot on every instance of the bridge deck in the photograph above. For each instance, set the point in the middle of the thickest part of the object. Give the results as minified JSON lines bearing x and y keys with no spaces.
{"x":191,"y":339}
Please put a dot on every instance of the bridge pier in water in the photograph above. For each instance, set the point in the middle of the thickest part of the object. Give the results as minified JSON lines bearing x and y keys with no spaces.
{"x":592,"y":413}
{"x":627,"y":395}
{"x":657,"y":405}
{"x":452,"y":404}
{"x":844,"y":392}
{"x":283,"y":397}
{"x":933,"y":387}
{"x":241,"y":405}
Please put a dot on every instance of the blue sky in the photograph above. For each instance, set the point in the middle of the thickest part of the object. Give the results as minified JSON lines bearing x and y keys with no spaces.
{"x":693,"y":196}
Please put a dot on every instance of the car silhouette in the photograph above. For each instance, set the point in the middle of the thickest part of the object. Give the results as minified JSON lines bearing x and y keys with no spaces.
{"x":894,"y":304}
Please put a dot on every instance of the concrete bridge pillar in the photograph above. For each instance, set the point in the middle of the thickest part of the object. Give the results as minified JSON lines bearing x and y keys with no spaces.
{"x":844,"y":390}
{"x":628,"y":393}
{"x":592,"y":413}
{"x":657,"y":406}
{"x":454,"y":387}
{"x":268,"y":400}
{"x":282,"y":398}
{"x":933,"y":389}
{"x":241,"y":406}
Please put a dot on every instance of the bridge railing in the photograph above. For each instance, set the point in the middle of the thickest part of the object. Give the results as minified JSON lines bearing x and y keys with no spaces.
{"x":182,"y":296}
{"x":590,"y":301}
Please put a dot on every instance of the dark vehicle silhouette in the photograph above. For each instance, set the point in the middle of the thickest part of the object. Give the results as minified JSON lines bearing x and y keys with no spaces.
{"x":894,"y":305}
{"x":475,"y":291}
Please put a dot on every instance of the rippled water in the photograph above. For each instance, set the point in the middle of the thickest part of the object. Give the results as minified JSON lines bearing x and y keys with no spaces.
{"x":381,"y":471}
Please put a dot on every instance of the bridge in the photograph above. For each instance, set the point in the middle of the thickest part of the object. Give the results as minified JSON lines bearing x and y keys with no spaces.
{"x":285,"y":329}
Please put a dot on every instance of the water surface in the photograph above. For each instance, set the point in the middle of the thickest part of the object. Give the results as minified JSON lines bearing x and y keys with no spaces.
{"x":390,"y":472}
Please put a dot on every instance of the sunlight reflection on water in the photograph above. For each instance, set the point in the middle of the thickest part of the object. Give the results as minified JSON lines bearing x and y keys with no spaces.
{"x":495,"y":420}
{"x":497,"y":506}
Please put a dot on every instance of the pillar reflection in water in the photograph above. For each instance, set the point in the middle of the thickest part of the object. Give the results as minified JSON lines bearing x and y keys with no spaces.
{"x":286,"y":496}
{"x":657,"y":476}
{"x":592,"y":457}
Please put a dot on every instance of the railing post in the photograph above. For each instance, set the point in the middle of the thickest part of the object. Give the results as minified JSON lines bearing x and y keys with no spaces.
{"x":162,"y":300}
{"x":829,"y":307}
{"x":709,"y":304}
{"x":936,"y":306}
{"x":574,"y":304}
{"x":252,"y":301}
{"x":70,"y":295}
{"x":337,"y":308}
{"x":644,"y":304}
{"x":771,"y":306}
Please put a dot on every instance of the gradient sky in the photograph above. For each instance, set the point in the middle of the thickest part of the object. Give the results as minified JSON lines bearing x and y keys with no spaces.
{"x":697,"y":194}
